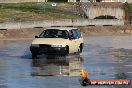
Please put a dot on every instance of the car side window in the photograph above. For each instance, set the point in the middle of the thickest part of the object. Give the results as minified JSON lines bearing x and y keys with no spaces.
{"x":72,"y":34}
{"x":78,"y":33}
{"x":75,"y":33}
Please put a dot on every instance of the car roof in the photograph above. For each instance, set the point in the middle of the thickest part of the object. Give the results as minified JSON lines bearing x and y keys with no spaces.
{"x":62,"y":28}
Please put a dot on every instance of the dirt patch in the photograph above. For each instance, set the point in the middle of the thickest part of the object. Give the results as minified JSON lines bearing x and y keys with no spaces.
{"x":87,"y":31}
{"x":20,"y":33}
{"x":107,"y":30}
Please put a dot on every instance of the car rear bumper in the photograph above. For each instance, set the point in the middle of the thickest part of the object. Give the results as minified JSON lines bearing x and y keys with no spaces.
{"x":49,"y":50}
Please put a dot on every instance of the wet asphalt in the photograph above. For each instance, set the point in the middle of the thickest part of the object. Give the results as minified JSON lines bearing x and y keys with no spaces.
{"x":104,"y":57}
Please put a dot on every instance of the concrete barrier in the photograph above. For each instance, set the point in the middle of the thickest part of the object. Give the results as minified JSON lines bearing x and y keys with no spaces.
{"x":63,"y":22}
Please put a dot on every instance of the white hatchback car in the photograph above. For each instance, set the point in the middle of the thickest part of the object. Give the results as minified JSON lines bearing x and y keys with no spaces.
{"x":57,"y":40}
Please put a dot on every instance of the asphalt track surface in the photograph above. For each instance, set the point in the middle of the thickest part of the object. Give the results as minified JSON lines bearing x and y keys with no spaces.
{"x":104,"y":57}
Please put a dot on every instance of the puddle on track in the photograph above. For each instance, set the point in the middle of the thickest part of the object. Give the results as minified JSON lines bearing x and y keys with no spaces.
{"x":18,"y":70}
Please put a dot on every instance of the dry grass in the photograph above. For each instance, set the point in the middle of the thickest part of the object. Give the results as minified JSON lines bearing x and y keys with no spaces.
{"x":19,"y":12}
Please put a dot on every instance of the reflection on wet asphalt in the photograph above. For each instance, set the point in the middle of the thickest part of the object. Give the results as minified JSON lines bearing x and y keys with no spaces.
{"x":57,"y":66}
{"x":104,"y":58}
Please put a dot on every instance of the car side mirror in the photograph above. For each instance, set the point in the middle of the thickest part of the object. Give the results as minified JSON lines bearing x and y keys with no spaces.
{"x":36,"y":37}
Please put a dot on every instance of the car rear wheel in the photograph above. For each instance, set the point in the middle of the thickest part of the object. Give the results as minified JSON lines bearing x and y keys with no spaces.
{"x":80,"y":48}
{"x":67,"y":50}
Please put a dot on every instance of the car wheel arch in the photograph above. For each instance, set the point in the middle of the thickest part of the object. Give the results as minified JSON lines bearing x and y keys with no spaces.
{"x":81,"y":46}
{"x":67,"y":48}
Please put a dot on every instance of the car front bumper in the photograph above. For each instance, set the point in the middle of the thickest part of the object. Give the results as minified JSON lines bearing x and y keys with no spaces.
{"x":48,"y":50}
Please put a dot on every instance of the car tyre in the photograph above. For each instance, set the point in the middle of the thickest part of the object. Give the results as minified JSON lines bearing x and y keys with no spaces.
{"x":80,"y":48}
{"x":67,"y":50}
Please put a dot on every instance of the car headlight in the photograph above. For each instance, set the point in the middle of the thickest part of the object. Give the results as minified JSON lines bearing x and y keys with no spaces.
{"x":35,"y":45}
{"x":56,"y":45}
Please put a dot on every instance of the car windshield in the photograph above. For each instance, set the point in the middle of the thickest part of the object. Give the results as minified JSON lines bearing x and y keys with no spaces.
{"x":54,"y":33}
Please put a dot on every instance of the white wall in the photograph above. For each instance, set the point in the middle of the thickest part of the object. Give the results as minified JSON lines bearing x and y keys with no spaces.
{"x":64,"y":22}
{"x":112,"y":1}
{"x":101,"y":11}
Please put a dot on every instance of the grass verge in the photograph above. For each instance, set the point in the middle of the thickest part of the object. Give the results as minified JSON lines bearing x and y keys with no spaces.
{"x":19,"y":12}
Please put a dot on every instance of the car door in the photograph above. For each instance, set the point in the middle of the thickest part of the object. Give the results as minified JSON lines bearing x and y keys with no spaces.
{"x":79,"y":37}
{"x":73,"y":41}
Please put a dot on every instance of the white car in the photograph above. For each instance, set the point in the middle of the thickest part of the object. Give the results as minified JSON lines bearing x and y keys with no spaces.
{"x":57,"y":40}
